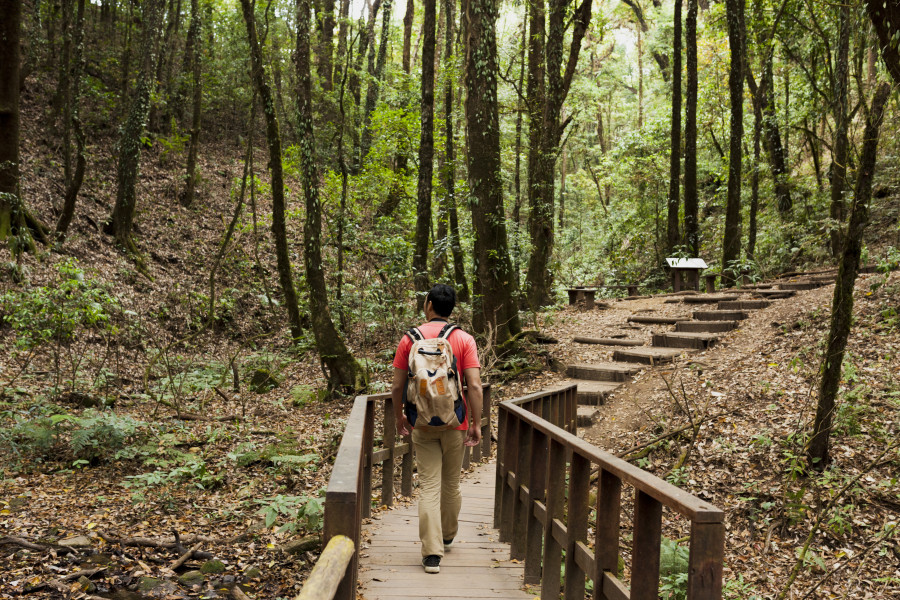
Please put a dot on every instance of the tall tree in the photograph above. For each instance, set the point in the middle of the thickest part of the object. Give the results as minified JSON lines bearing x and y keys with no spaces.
{"x":73,"y":116}
{"x":731,"y":244}
{"x":494,"y":304}
{"x":691,"y":202}
{"x":885,"y":16}
{"x":541,"y":193}
{"x":10,"y":216}
{"x":273,"y":140}
{"x":841,"y":144}
{"x":326,"y":44}
{"x":842,"y":302}
{"x":408,"y":18}
{"x":376,"y":70}
{"x":129,"y":147}
{"x":426,"y":153}
{"x":193,"y":43}
{"x":344,"y":372}
{"x":459,"y":266}
{"x":674,"y":201}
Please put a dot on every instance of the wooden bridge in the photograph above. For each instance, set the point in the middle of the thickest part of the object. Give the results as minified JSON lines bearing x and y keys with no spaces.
{"x":547,"y":518}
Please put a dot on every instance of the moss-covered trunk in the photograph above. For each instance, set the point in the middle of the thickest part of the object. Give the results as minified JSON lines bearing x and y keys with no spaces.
{"x":426,"y":154}
{"x":193,"y":43}
{"x":731,"y":244}
{"x":673,"y":204}
{"x":344,"y":371}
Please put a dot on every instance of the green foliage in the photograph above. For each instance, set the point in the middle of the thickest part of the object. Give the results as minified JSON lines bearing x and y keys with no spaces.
{"x":56,"y":313}
{"x":303,"y":395}
{"x":673,"y":569}
{"x":294,"y":512}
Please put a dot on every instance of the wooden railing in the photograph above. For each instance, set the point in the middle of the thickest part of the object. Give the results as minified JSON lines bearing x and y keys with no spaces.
{"x":348,"y":499}
{"x":323,"y":582}
{"x":544,"y":479}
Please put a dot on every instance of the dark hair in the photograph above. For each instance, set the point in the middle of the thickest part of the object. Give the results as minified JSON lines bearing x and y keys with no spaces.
{"x":442,"y":298}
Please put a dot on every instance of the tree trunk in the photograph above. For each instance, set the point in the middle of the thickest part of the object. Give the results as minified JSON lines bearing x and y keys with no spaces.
{"x":10,"y":201}
{"x":841,"y":143}
{"x":495,"y":311}
{"x":407,"y":33}
{"x":343,"y":33}
{"x":754,"y":180}
{"x":731,"y":244}
{"x":426,"y":155}
{"x":377,"y":73}
{"x":885,"y":16}
{"x":326,"y":45}
{"x":691,"y":218}
{"x":674,"y":201}
{"x":273,"y":139}
{"x":73,"y":183}
{"x":517,"y":177}
{"x":344,"y":371}
{"x":774,"y":148}
{"x":539,"y":281}
{"x":129,"y":147}
{"x":196,"y":67}
{"x":842,"y":303}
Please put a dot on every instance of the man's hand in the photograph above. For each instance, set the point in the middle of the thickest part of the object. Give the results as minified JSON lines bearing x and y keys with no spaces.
{"x":473,"y":435}
{"x":403,"y":426}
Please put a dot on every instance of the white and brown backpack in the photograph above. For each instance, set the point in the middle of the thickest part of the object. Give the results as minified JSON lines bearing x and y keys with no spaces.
{"x":433,"y":394}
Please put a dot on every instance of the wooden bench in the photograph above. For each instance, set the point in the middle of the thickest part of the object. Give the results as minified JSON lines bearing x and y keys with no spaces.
{"x":582,"y":295}
{"x":686,"y":272}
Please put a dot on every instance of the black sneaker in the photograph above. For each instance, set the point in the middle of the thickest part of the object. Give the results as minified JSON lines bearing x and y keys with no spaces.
{"x":448,"y":544}
{"x":432,"y":563}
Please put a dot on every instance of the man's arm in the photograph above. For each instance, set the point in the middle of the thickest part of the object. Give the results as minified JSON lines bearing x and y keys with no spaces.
{"x":475,"y":398}
{"x":400,"y":378}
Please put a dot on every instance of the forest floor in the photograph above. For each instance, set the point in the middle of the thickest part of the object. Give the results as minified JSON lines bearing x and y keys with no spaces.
{"x":754,"y":396}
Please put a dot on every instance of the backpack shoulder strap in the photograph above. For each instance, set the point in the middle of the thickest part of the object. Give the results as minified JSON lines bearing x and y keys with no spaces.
{"x":447,"y":330}
{"x":415,"y":335}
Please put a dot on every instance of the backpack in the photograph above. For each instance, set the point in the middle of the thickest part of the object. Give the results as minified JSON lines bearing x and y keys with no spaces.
{"x":433,"y":395}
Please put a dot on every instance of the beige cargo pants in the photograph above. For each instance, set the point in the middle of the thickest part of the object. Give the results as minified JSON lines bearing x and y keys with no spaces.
{"x":439,"y":457}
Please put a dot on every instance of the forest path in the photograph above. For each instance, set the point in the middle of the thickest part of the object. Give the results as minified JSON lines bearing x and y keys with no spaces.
{"x":476,"y":567}
{"x":617,"y":354}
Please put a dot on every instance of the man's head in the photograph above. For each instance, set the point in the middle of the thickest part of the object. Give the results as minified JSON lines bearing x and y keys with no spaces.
{"x":442,"y":298}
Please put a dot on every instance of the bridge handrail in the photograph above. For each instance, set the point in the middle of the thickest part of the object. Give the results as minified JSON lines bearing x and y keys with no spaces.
{"x":544,"y":516}
{"x":323,"y":582}
{"x":348,"y":498}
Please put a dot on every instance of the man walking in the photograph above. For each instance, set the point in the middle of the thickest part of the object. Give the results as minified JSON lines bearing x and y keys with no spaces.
{"x":439,"y":452}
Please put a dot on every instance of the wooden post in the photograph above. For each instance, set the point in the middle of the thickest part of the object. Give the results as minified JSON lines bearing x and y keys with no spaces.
{"x":676,"y":280}
{"x":606,"y":545}
{"x":500,"y":470}
{"x":510,"y":459}
{"x":486,"y":426}
{"x":645,"y":550}
{"x":536,"y":493}
{"x":387,"y":465}
{"x":329,"y":570}
{"x":706,"y":559}
{"x":521,"y":507}
{"x":556,"y":484}
{"x":368,"y":467}
{"x":577,"y":525}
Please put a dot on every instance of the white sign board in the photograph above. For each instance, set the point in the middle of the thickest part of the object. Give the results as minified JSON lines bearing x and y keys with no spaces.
{"x":686,"y":263}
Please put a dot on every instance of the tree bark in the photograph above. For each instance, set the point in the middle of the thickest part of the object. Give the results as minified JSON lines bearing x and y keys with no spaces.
{"x":885,"y":16}
{"x":426,"y":155}
{"x":841,"y":144}
{"x":731,"y":244}
{"x":344,"y":372}
{"x":691,"y":218}
{"x":539,"y":281}
{"x":129,"y":147}
{"x":326,"y":45}
{"x":494,"y":305}
{"x":273,"y":140}
{"x":10,"y":201}
{"x":197,"y":98}
{"x":774,"y":148}
{"x":377,"y":72}
{"x":674,"y":201}
{"x":408,"y":18}
{"x":73,"y":182}
{"x":754,"y":180}
{"x":842,"y":303}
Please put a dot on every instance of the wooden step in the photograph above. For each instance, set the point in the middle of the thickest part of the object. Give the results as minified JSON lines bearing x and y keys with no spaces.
{"x":594,"y":393}
{"x":649,"y":356}
{"x":775,"y":294}
{"x":800,"y":286}
{"x":608,"y":341}
{"x":709,"y":298}
{"x":696,"y":341}
{"x":743,"y":304}
{"x":705,"y":326}
{"x":586,"y":415}
{"x":655,"y":320}
{"x":721,"y":315}
{"x":603,"y":371}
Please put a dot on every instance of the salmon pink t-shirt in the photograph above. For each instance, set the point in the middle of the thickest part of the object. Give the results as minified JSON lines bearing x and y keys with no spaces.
{"x":464,"y":349}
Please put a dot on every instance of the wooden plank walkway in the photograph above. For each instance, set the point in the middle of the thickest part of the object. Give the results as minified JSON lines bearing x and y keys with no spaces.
{"x":476,"y":567}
